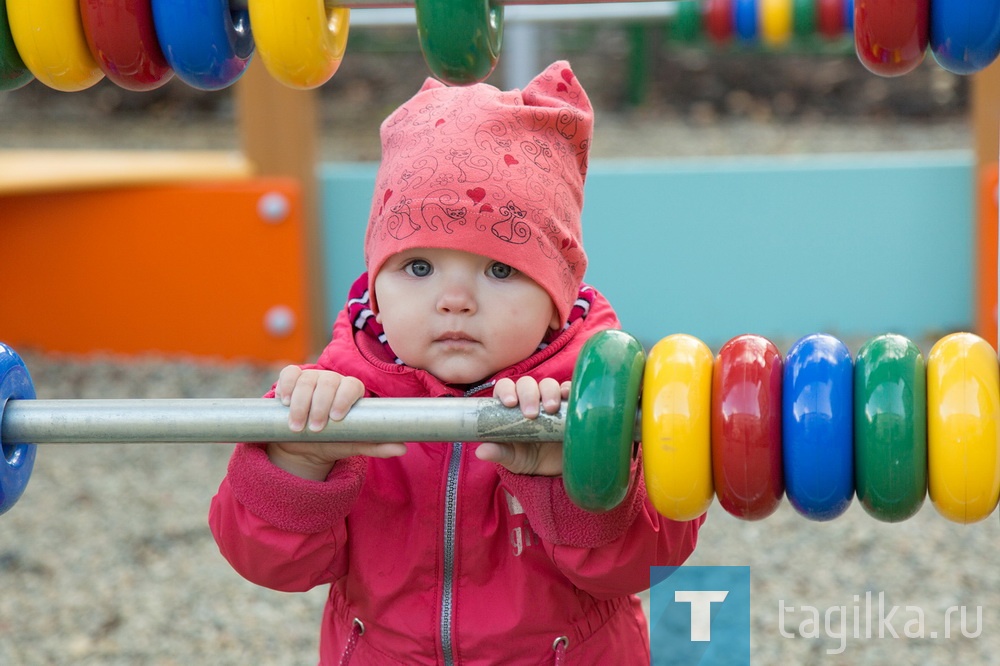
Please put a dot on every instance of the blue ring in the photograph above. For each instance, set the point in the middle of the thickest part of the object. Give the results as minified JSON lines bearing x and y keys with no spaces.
{"x":18,"y":460}
{"x":745,"y":19}
{"x":206,"y":44}
{"x":817,"y":427}
{"x":848,"y":17}
{"x":965,"y":36}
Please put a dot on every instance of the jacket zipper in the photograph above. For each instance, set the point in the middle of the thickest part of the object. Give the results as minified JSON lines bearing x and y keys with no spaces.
{"x":450,"y":512}
{"x":450,"y":516}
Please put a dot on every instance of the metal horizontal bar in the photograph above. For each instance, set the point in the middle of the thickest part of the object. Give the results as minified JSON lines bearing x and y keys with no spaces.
{"x":384,"y":4}
{"x":532,"y":14}
{"x":266,"y":420}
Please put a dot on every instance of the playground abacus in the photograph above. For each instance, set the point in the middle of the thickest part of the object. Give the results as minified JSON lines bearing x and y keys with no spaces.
{"x":747,"y":425}
{"x":141,"y":44}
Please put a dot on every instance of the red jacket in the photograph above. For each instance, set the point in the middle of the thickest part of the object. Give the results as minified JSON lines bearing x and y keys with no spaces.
{"x":444,"y":558}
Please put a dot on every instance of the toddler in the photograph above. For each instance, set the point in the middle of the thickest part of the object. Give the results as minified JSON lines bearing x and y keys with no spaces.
{"x":462,"y":553}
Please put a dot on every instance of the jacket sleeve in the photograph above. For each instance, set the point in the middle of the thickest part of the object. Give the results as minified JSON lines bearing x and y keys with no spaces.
{"x":278,"y":530}
{"x":605,"y":554}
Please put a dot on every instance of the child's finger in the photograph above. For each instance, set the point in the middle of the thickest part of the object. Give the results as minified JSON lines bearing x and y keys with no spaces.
{"x":323,"y":395}
{"x":506,"y":392}
{"x":528,"y":396}
{"x":551,"y":394}
{"x":523,"y":457}
{"x":300,"y":401}
{"x":286,"y":383}
{"x":383,"y":449}
{"x":502,"y":454}
{"x":349,"y":390}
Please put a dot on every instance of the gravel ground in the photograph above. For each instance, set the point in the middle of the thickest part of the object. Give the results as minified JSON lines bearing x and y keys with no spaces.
{"x":107,"y":558}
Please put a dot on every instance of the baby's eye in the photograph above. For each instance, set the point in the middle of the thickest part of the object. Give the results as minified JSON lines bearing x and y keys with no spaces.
{"x":501,"y":271}
{"x":419,"y":268}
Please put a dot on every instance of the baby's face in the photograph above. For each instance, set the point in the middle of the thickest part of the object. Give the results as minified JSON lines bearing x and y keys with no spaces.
{"x":460,"y":316}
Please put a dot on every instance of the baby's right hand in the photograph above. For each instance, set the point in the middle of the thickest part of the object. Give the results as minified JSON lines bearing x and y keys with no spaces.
{"x":315,"y":397}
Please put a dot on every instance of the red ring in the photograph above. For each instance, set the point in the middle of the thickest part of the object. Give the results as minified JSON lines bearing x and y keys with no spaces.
{"x":122,"y":38}
{"x":746,"y":427}
{"x":890,"y":36}
{"x":830,"y":18}
{"x":719,"y":20}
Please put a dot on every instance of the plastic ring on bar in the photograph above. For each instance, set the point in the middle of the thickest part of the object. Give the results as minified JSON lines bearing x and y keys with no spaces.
{"x":686,"y":24}
{"x":719,"y":20}
{"x":804,"y":18}
{"x":746,"y":427}
{"x":460,"y":39}
{"x":965,"y":36}
{"x":890,"y":38}
{"x":17,"y":460}
{"x":600,"y":420}
{"x":676,"y":427}
{"x":775,"y":22}
{"x":890,"y":428}
{"x":830,"y":18}
{"x":50,"y":40}
{"x":848,"y":16}
{"x":817,"y":428}
{"x":963,"y":408}
{"x":302,"y":42}
{"x":121,"y":36}
{"x":207,"y":44}
{"x":745,"y":19}
{"x":13,"y":72}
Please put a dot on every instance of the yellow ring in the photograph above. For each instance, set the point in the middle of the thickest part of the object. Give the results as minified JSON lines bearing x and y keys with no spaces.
{"x":302,"y":42}
{"x":775,"y":22}
{"x":963,"y":412}
{"x":676,"y":427}
{"x":49,"y":37}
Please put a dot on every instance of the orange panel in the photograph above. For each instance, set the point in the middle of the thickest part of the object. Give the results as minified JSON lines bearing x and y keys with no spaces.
{"x":986,"y":250}
{"x":175,"y":269}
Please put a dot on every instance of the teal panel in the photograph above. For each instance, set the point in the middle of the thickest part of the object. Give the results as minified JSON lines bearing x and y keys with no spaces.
{"x":852,"y":245}
{"x":345,"y":202}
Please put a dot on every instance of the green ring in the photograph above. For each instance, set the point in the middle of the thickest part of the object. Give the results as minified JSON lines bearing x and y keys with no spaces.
{"x":13,"y":72}
{"x":686,"y":24}
{"x":804,"y":18}
{"x":890,"y":428}
{"x":460,"y":39}
{"x":600,"y":420}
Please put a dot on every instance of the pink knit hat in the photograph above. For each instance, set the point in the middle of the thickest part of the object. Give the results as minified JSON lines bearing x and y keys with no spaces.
{"x":496,"y":173}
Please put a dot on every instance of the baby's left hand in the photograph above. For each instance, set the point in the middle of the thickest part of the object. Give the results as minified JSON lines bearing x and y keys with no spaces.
{"x":538,"y":458}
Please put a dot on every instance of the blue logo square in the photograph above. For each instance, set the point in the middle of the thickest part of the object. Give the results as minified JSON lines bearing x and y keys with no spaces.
{"x":699,"y":616}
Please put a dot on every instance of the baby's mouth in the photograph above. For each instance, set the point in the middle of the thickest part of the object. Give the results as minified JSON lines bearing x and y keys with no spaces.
{"x":454,"y":336}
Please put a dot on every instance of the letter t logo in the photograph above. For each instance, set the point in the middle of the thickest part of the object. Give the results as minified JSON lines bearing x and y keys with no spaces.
{"x":701,"y":610}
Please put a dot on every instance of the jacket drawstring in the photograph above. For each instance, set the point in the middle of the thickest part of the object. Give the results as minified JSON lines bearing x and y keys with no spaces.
{"x":559,"y":646}
{"x":352,"y":642}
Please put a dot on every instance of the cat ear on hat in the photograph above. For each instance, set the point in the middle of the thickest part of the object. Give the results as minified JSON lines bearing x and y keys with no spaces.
{"x":557,"y":85}
{"x":557,"y":88}
{"x":404,"y":111}
{"x":431,"y":84}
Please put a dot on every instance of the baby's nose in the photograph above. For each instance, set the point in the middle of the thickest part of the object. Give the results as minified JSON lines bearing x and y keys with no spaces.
{"x":457,"y":299}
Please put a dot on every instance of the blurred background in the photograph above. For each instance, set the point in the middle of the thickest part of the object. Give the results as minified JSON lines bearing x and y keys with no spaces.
{"x":635,"y":73}
{"x":814,"y":163}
